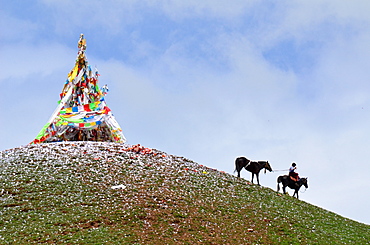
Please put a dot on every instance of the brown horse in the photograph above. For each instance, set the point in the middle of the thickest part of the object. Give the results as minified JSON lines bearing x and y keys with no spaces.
{"x":252,"y":166}
{"x":295,"y":185}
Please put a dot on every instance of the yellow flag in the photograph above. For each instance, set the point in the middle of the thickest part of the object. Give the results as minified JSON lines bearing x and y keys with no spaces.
{"x":74,"y":73}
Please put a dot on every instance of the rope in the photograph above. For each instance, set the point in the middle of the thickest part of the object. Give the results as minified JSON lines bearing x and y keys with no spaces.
{"x":280,"y":170}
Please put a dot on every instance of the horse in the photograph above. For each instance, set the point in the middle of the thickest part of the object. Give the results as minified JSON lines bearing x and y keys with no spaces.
{"x":252,"y":166}
{"x":287,"y":181}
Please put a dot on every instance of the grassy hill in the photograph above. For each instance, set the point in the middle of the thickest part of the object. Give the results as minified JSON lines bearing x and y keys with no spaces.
{"x":99,"y":193}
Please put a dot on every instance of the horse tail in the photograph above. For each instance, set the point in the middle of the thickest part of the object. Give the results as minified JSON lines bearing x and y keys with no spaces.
{"x":278,"y":183}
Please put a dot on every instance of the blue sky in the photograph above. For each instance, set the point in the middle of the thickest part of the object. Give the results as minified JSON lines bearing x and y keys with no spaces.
{"x":211,"y":80}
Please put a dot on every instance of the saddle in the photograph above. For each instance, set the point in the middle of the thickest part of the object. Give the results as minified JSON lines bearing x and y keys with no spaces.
{"x":293,"y":178}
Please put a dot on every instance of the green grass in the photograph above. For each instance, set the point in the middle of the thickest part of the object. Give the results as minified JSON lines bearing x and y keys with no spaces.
{"x":61,"y":194}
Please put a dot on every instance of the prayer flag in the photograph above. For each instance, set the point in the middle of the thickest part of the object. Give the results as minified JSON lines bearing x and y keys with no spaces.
{"x":87,"y":107}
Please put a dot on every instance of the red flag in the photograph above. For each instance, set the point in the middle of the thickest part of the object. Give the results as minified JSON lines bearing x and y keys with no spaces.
{"x":87,"y":107}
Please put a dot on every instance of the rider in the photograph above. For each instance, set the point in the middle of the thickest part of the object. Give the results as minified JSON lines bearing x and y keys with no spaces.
{"x":293,"y":175}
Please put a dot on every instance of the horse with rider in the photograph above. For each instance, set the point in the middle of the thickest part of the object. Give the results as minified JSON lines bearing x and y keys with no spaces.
{"x":292,"y":180}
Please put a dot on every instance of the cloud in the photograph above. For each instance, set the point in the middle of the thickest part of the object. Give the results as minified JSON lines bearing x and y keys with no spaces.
{"x":209,"y":105}
{"x":15,"y":29}
{"x":37,"y":60}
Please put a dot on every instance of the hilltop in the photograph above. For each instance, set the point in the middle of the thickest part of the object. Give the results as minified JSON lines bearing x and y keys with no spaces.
{"x":103,"y":193}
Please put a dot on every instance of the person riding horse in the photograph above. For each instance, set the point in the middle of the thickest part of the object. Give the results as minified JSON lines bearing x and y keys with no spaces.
{"x":292,"y":174}
{"x":293,"y":181}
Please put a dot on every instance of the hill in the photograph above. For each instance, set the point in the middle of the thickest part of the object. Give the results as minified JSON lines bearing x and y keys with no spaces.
{"x":103,"y":193}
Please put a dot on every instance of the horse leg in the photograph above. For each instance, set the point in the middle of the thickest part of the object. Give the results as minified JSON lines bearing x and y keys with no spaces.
{"x":284,"y":189}
{"x":237,"y":169}
{"x":252,"y":177}
{"x":295,"y":193}
{"x":258,"y":178}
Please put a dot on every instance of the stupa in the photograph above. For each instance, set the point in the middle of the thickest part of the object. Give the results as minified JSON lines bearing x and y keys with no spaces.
{"x":82,"y":113}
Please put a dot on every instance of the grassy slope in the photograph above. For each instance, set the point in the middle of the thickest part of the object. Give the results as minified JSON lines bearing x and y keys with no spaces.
{"x":61,"y":193}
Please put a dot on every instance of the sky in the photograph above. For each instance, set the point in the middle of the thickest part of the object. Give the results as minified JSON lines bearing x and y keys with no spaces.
{"x":209,"y":80}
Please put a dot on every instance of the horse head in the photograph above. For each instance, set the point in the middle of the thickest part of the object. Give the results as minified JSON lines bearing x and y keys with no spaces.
{"x":304,"y":182}
{"x":267,"y":166}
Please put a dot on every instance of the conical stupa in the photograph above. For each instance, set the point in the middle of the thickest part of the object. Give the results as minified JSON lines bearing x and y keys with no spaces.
{"x":82,"y":113}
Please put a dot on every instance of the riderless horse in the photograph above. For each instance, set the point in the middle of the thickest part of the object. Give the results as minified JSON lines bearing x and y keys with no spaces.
{"x":295,"y":185}
{"x":252,"y":166}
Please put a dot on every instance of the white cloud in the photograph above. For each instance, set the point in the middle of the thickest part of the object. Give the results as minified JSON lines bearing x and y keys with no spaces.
{"x":181,"y":10}
{"x":16,"y":29}
{"x":22,"y":60}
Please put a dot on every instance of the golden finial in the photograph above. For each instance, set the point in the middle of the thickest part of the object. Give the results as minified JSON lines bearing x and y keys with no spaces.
{"x":82,"y":43}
